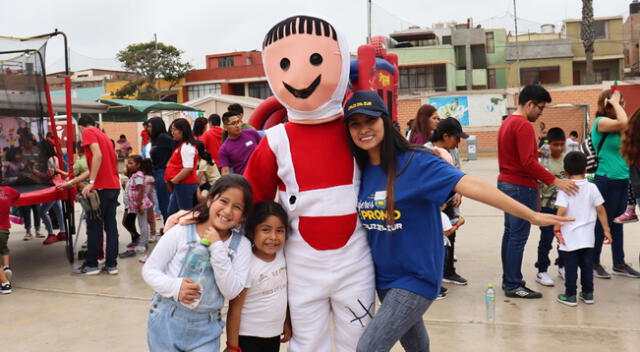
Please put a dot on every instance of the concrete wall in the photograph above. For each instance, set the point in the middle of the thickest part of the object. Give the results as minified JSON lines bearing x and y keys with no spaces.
{"x":498,"y":58}
{"x":613,"y":66}
{"x":428,"y":55}
{"x":613,"y":45}
{"x":631,"y":34}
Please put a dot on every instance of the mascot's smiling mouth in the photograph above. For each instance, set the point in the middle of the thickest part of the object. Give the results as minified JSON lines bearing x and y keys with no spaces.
{"x":304,"y":93}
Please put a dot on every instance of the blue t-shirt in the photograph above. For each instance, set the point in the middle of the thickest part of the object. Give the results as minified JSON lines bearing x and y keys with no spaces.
{"x":410,"y":253}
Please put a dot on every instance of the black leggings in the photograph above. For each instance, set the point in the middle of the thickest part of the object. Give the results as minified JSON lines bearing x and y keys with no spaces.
{"x":129,"y":223}
{"x":259,"y":344}
{"x":632,"y":197}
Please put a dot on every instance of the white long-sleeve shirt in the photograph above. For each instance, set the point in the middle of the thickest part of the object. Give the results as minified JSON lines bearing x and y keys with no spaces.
{"x":163,"y":265}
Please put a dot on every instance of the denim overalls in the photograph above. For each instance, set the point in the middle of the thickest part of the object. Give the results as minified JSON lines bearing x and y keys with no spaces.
{"x":174,"y":327}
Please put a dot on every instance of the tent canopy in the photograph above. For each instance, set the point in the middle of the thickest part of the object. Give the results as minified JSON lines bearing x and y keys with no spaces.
{"x":125,"y":110}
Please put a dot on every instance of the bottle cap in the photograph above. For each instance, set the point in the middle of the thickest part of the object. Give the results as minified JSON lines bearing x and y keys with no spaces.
{"x":490,"y":286}
{"x":205,"y":242}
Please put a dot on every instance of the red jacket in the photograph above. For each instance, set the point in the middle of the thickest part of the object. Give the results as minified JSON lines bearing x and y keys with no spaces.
{"x":518,"y":154}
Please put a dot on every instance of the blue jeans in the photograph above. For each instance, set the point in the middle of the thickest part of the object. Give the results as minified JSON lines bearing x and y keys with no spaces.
{"x":615,"y":194}
{"x":161,"y":192}
{"x":182,"y":197}
{"x":546,"y":244}
{"x":57,"y":210}
{"x":399,"y":318}
{"x":106,"y":221}
{"x":171,"y":327}
{"x":25,"y":213}
{"x":582,"y":258}
{"x":516,"y":233}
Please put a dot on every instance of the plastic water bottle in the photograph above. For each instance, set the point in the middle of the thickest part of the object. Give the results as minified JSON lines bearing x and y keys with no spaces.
{"x":490,"y":303}
{"x":195,"y":266}
{"x":546,"y":154}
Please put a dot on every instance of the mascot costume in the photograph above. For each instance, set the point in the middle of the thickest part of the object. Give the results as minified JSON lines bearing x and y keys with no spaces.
{"x":308,"y":165}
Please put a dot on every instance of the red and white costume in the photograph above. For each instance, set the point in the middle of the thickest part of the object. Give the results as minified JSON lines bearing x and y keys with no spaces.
{"x":308,"y":165}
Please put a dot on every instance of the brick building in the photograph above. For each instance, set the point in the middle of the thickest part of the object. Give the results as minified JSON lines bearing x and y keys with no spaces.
{"x":631,"y":32}
{"x":237,"y":73}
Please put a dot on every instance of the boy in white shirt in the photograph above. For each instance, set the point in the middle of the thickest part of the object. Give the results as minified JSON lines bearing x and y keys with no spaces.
{"x":577,"y":238}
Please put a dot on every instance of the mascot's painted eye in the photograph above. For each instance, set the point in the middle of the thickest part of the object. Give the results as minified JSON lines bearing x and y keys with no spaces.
{"x":284,"y":64}
{"x":315,"y":59}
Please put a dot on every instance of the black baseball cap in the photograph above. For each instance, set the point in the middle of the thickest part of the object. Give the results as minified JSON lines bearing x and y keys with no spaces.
{"x":452,"y":127}
{"x":364,"y":102}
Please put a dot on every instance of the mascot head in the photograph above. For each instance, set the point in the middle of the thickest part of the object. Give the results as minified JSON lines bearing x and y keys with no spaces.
{"x":306,"y":61}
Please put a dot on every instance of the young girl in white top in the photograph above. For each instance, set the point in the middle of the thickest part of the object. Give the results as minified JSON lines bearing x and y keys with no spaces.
{"x":174,"y":326}
{"x":258,"y":317}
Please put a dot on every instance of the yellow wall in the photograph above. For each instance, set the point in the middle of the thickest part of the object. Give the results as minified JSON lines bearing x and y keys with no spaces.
{"x":111,"y":87}
{"x":566,"y":70}
{"x":613,"y":45}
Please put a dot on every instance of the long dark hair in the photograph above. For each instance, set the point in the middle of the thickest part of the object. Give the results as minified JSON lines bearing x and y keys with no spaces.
{"x":630,"y":147}
{"x":183,"y":125}
{"x":201,"y":211}
{"x":157,"y":128}
{"x":422,"y":122}
{"x":199,"y":126}
{"x":203,"y":153}
{"x":260,"y":213}
{"x":392,"y":144}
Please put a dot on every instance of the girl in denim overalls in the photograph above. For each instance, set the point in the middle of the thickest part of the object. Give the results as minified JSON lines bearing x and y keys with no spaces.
{"x":183,"y":315}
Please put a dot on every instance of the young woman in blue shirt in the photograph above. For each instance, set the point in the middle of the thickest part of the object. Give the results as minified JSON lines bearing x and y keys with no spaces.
{"x":400,"y":194}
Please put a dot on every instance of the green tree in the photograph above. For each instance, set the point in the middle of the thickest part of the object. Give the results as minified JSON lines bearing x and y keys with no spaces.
{"x":152,"y":61}
{"x":587,"y":36}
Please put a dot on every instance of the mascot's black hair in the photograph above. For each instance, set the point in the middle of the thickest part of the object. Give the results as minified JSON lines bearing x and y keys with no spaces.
{"x":305,"y":25}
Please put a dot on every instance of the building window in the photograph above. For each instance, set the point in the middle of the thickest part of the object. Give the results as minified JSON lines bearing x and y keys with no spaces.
{"x":540,"y":75}
{"x":423,"y":78}
{"x":249,"y":61}
{"x":201,"y":90}
{"x":600,"y":29}
{"x":225,"y":61}
{"x":601,"y":75}
{"x":446,"y":40}
{"x":259,"y":90}
{"x":490,"y":42}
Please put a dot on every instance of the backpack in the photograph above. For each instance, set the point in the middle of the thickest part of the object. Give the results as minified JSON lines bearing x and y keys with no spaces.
{"x":592,"y":154}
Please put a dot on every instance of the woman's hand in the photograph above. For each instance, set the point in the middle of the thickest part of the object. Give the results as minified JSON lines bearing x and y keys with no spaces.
{"x":287,"y":332}
{"x":212,"y":235}
{"x":189,"y":291}
{"x":169,"y":186}
{"x":614,"y":100}
{"x":541,"y":219}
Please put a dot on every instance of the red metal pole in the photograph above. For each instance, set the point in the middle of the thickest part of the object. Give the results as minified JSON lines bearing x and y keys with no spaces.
{"x":52,"y":122}
{"x":70,"y":130}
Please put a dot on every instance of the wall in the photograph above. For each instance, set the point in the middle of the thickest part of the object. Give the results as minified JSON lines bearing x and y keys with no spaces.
{"x":631,"y":33}
{"x":500,"y":41}
{"x":613,"y":45}
{"x":428,"y":55}
{"x":613,"y":66}
{"x":130,"y":129}
{"x":565,"y":64}
{"x":111,"y":87}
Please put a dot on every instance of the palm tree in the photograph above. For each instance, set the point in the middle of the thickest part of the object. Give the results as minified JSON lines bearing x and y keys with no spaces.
{"x":587,"y":36}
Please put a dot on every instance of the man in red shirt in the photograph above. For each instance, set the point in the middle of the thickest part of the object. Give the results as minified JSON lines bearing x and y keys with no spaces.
{"x":103,"y":177}
{"x":144,"y":134}
{"x":520,"y":172}
{"x":212,"y":139}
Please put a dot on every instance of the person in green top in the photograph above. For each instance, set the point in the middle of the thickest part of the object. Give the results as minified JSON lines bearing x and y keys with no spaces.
{"x":557,"y":140}
{"x":612,"y":179}
{"x":80,"y":165}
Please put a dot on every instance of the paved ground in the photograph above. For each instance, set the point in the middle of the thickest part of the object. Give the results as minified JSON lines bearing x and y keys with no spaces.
{"x":51,"y":310}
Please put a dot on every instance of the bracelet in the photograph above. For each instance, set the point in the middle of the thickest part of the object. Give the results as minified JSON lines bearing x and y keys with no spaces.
{"x":234,"y":348}
{"x":557,"y":231}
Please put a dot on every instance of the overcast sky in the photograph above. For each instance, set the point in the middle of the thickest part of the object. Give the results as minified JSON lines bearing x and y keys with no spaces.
{"x":98,"y":29}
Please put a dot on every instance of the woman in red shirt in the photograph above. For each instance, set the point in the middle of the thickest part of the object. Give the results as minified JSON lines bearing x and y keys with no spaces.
{"x":180,"y":175}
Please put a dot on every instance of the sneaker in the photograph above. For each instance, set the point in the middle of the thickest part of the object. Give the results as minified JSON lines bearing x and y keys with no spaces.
{"x":141,"y":249}
{"x":568,"y":300}
{"x":7,"y":272}
{"x":587,"y":298}
{"x":127,"y":254}
{"x":455,"y":279}
{"x":153,"y":238}
{"x":158,"y":217}
{"x":443,"y":293}
{"x":132,"y":244}
{"x":599,"y":272}
{"x":111,"y":270}
{"x":62,"y":236}
{"x":523,"y":292}
{"x":39,"y":234}
{"x":625,"y":270}
{"x":5,"y":288}
{"x":627,"y":217}
{"x":544,"y":279}
{"x":561,"y":273}
{"x":86,"y":270}
{"x":50,"y":239}
{"x":27,"y":236}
